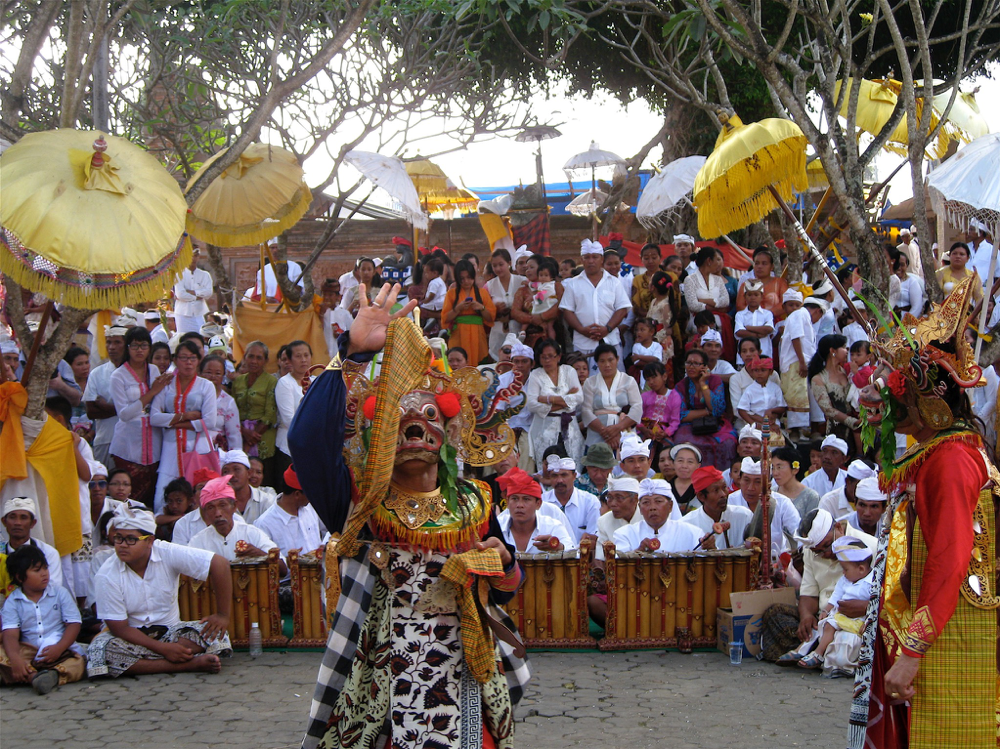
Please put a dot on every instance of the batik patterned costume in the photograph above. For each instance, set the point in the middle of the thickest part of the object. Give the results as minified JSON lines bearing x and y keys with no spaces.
{"x":408,"y":658}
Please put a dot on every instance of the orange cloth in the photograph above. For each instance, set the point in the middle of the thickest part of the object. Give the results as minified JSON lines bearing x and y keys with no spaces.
{"x":276,"y":329}
{"x":13,"y":401}
{"x":473,"y":337}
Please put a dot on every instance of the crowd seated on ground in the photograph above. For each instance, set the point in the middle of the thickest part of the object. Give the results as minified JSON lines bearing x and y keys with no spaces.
{"x":639,"y":424}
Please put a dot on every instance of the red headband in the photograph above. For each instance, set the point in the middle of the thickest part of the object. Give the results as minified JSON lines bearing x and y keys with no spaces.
{"x":516,"y":481}
{"x":704,"y":477}
{"x":761,"y":363}
{"x":291,"y":479}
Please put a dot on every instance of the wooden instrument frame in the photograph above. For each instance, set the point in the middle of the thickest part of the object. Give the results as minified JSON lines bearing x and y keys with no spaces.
{"x":650,"y":596}
{"x":309,"y":620}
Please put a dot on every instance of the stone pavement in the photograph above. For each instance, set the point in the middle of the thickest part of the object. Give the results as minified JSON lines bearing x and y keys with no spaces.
{"x":611,"y":700}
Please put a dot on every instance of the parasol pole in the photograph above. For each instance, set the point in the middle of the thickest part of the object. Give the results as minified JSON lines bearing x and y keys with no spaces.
{"x":726,"y":237}
{"x":37,"y":342}
{"x":986,"y":306}
{"x":765,"y":497}
{"x":593,"y":195}
{"x":817,"y":257}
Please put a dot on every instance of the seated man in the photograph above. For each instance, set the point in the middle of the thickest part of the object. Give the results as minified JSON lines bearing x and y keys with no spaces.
{"x":715,"y":513}
{"x":581,"y":509}
{"x":750,"y":444}
{"x":790,"y":632}
{"x":523,"y":526}
{"x":137,"y":599}
{"x":656,"y":532}
{"x":597,"y":465}
{"x":869,"y":503}
{"x":19,"y":517}
{"x":292,"y":523}
{"x":830,"y":476}
{"x":224,"y":536}
{"x":784,"y":517}
{"x":623,"y":503}
{"x":251,"y":502}
{"x":841,"y":501}
{"x":635,"y":458}
{"x":193,"y":523}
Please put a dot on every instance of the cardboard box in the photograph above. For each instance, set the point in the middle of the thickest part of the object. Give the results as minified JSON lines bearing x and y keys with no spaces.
{"x":743,"y":620}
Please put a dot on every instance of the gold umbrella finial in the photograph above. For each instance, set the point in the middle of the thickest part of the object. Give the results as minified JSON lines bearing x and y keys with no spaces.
{"x":100,"y":146}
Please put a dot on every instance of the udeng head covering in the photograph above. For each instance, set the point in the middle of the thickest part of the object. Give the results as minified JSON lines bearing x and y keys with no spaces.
{"x":555,"y":463}
{"x":655,"y":486}
{"x":683,"y":238}
{"x":624,"y":484}
{"x":868,"y":490}
{"x":750,"y":467}
{"x":632,"y":446}
{"x":859,"y":470}
{"x":704,"y":477}
{"x":832,"y":441}
{"x":851,"y":549}
{"x":516,"y":481}
{"x":128,"y":518}
{"x":235,"y":456}
{"x":711,"y":336}
{"x":821,"y":525}
{"x":520,"y":350}
{"x":20,"y":503}
{"x":589,"y":247}
{"x":752,"y":433}
{"x":791,"y":296}
{"x":217,"y":489}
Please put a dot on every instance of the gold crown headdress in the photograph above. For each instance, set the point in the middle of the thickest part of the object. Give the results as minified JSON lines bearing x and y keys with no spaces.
{"x":928,"y":349}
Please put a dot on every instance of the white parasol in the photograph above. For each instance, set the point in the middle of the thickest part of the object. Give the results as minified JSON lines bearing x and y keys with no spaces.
{"x":389,"y":173}
{"x":589,"y":160}
{"x":587,"y":203}
{"x":668,"y":191}
{"x":969,"y":185}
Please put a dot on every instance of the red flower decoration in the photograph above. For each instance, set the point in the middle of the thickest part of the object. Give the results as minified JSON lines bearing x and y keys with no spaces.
{"x":369,"y":408}
{"x":897,"y":384}
{"x":449,"y":404}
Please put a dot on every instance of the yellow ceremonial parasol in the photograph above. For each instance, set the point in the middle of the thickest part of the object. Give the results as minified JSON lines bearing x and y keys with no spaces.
{"x":461,"y":199}
{"x":258,"y":197}
{"x":427,"y":177}
{"x":752,"y":169}
{"x":90,"y":220}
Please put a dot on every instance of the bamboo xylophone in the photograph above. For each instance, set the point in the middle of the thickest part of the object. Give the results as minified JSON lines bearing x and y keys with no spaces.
{"x":652,"y":596}
{"x":255,"y":599}
{"x":309,"y":624}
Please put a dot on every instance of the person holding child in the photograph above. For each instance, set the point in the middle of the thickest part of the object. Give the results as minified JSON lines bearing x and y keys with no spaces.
{"x":40,"y":624}
{"x":645,"y":350}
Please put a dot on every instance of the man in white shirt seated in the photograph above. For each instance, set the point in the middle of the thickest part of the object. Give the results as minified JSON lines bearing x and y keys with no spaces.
{"x":137,"y":599}
{"x":634,"y":458}
{"x":656,"y":532}
{"x":869,"y":506}
{"x":711,"y":344}
{"x":251,"y":502}
{"x":582,"y":509}
{"x":840,"y":501}
{"x":524,"y":528}
{"x":20,"y":515}
{"x":832,"y":475}
{"x":750,"y":444}
{"x":784,"y":517}
{"x":224,"y":536}
{"x":623,"y":501}
{"x":715,"y":513}
{"x":292,"y":523}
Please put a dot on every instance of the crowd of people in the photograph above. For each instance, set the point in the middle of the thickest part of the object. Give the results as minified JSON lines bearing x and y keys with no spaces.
{"x":643,"y":393}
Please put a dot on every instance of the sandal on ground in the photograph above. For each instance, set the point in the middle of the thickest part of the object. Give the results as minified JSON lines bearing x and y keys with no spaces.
{"x":789,"y":659}
{"x":811,"y":661}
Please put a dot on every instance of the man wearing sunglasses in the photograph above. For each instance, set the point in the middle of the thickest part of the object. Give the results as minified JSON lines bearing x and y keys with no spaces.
{"x":137,"y":599}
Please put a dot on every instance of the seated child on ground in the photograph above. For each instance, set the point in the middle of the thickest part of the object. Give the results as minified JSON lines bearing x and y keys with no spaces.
{"x":178,"y":501}
{"x":762,"y":398}
{"x":40,"y":625}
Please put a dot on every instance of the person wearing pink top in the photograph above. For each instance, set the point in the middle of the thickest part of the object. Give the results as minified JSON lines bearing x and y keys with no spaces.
{"x":661,"y":407}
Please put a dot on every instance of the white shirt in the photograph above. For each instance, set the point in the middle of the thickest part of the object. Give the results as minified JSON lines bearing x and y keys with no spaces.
{"x":582,"y":511}
{"x":288,"y":394}
{"x":99,"y":386}
{"x":820,"y":576}
{"x":695,"y":290}
{"x":912,"y":252}
{"x":820,"y":483}
{"x":159,"y":334}
{"x":259,"y":503}
{"x":758,"y":399}
{"x":127,"y":441}
{"x":271,"y":279}
{"x":151,"y":599}
{"x":42,"y":623}
{"x":438,"y":289}
{"x":607,"y":524}
{"x":845,"y":590}
{"x":594,"y":305}
{"x":981,"y":261}
{"x":673,"y":535}
{"x":835,"y":502}
{"x":553,"y":512}
{"x":737,"y":517}
{"x":759,"y":316}
{"x":191,"y":524}
{"x":798,"y":325}
{"x":544,"y":526}
{"x":722,"y":367}
{"x":210,"y":539}
{"x":335,"y":322}
{"x":854,"y":333}
{"x":289,"y":532}
{"x":785,"y":518}
{"x":984,"y":401}
{"x":191,"y":291}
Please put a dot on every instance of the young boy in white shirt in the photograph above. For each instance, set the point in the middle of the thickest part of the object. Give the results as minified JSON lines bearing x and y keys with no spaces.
{"x":754,"y":321}
{"x":762,"y":397}
{"x":433,"y":301}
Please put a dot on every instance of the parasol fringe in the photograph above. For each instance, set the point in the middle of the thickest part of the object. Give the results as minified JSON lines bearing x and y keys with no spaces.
{"x":222,"y":235}
{"x":719,"y":213}
{"x":124,"y":294}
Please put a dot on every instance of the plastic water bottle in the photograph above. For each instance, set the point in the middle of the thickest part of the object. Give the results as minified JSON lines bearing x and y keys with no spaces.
{"x":256,"y":642}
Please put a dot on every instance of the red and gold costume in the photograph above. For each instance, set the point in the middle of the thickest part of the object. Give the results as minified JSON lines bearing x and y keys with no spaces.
{"x":939,"y":589}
